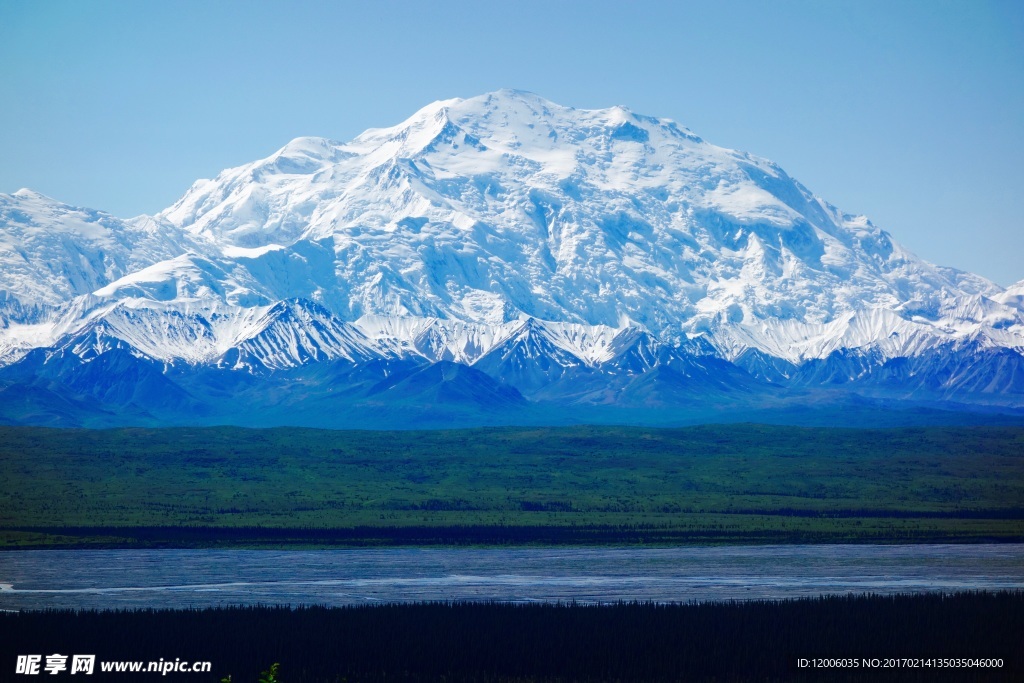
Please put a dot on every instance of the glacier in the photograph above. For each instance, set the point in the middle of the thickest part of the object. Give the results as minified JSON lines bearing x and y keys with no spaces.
{"x":497,"y":259}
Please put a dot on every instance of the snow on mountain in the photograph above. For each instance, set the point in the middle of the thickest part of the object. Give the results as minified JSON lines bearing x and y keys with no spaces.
{"x":530,"y":358}
{"x":540,"y":244}
{"x":1013,"y":296}
{"x":506,"y":206}
{"x":51,"y":252}
{"x":294,"y":333}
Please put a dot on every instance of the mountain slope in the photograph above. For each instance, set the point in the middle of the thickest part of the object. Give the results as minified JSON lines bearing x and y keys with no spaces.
{"x":51,"y":252}
{"x":507,"y":205}
{"x":575,"y":257}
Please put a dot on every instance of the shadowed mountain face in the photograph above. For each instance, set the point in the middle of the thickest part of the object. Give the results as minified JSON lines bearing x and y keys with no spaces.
{"x":499,"y":258}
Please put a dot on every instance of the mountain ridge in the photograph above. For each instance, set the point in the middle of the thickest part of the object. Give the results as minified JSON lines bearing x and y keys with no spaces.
{"x":528,"y":240}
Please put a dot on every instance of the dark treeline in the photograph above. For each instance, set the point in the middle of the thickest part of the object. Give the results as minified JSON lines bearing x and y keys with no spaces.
{"x":501,"y":642}
{"x":966,"y":513}
{"x":583,"y":534}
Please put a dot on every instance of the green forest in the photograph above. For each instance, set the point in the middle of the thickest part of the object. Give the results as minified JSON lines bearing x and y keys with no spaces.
{"x":706,"y":484}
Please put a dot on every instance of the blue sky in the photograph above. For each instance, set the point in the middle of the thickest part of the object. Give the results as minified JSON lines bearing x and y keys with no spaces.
{"x":909,"y":112}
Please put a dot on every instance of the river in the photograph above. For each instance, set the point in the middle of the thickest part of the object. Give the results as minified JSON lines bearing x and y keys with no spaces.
{"x":202,"y":578}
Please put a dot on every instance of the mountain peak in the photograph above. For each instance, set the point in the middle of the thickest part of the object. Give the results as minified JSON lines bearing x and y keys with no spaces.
{"x":27,"y":193}
{"x":566,"y":251}
{"x":309,"y":146}
{"x":507,"y":204}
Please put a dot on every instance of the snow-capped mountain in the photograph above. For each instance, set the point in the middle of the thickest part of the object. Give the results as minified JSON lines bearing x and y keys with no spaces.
{"x":573,"y":256}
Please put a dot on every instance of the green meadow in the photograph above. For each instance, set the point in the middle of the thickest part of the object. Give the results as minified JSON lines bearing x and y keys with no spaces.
{"x":707,"y":484}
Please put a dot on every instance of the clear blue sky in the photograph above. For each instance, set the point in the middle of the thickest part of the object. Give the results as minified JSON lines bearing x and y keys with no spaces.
{"x":909,"y":112}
